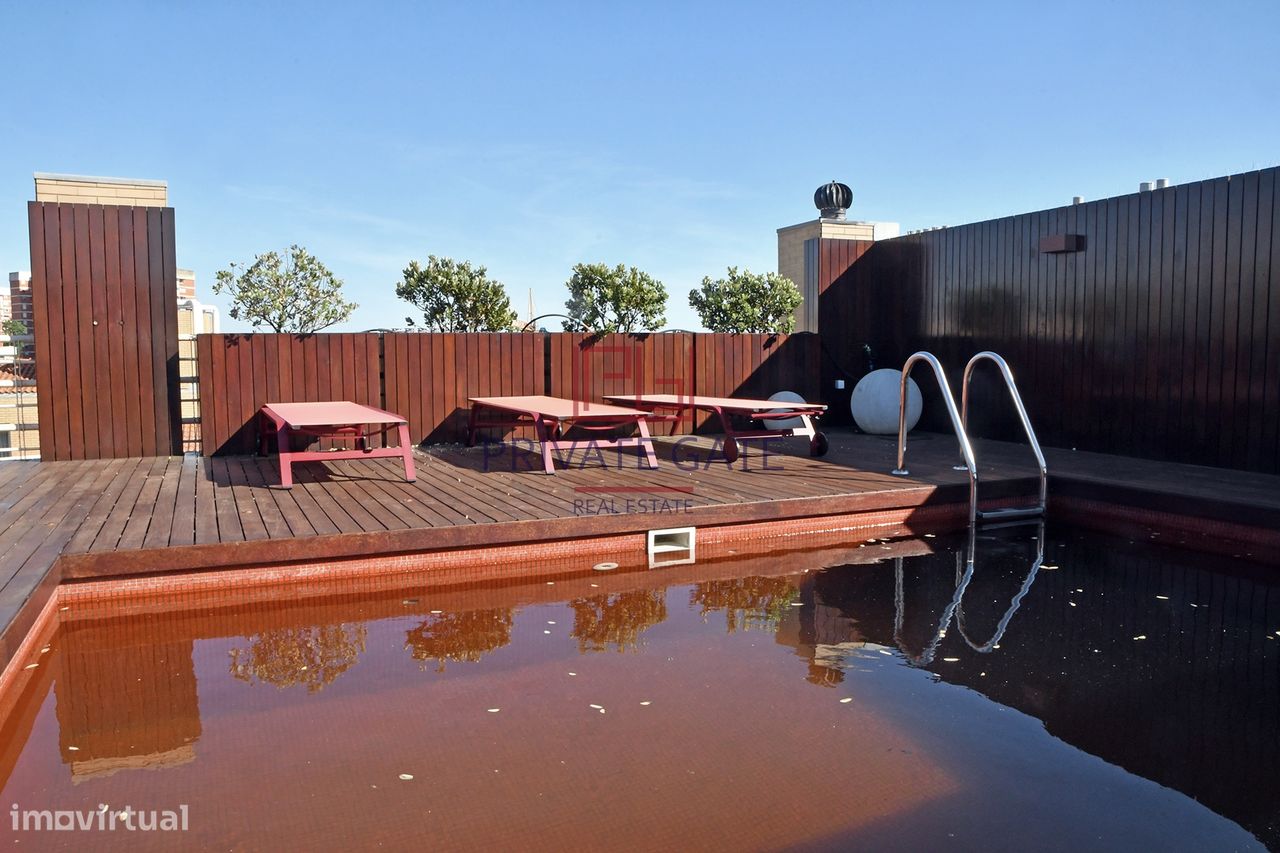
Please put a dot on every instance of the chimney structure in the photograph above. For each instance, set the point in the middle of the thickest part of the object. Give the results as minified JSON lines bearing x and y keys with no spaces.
{"x":803,"y":259}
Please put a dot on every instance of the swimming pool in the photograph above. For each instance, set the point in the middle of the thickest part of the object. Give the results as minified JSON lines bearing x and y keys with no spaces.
{"x":1075,"y":691}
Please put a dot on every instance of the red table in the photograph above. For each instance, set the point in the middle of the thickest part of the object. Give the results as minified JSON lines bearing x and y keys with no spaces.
{"x":755,"y":410}
{"x":331,"y":419}
{"x":549,"y":415}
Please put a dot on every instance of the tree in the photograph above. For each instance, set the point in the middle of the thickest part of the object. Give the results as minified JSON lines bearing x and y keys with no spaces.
{"x":310,"y":656}
{"x":294,"y":293}
{"x":14,"y":327}
{"x":747,"y":302}
{"x":456,"y":297}
{"x":620,"y":299}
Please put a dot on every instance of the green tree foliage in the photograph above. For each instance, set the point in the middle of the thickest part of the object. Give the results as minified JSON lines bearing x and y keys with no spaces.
{"x":14,"y":327}
{"x":616,"y":621}
{"x":618,"y":299}
{"x":464,"y":636}
{"x":456,"y":297}
{"x":747,"y":302}
{"x":310,"y":656}
{"x":754,"y":602}
{"x":292,"y":292}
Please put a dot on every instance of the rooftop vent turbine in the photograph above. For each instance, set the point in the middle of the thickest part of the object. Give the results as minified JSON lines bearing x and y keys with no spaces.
{"x":832,"y":200}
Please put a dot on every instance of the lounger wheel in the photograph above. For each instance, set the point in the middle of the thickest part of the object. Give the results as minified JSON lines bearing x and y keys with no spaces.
{"x":730,"y":450}
{"x":818,"y":445}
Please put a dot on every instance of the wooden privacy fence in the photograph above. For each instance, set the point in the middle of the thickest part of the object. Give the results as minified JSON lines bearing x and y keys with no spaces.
{"x":106,"y":330}
{"x":240,"y":373}
{"x":1144,"y":325}
{"x":428,"y":377}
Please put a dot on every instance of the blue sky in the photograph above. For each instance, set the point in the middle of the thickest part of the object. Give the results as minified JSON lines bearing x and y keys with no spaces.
{"x":677,"y":137}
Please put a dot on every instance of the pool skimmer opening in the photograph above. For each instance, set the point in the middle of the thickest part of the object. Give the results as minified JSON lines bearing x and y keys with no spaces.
{"x":672,"y":547}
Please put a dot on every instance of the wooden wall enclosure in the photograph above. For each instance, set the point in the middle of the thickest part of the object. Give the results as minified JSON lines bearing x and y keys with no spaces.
{"x":104,"y":284}
{"x":239,"y":373}
{"x":583,"y":367}
{"x":428,"y":377}
{"x":1144,"y":325}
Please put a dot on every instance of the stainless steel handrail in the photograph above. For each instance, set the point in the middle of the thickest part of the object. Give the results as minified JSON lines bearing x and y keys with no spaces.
{"x":1014,"y":603}
{"x":1007,"y":374}
{"x":966,"y":449}
{"x":963,"y":576}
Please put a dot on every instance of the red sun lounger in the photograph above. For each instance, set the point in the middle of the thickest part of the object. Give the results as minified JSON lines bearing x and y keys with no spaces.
{"x":550,"y":415}
{"x":333,"y":419}
{"x":675,"y":405}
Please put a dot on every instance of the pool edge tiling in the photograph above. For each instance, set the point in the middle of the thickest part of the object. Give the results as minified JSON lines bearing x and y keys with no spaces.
{"x":144,"y":518}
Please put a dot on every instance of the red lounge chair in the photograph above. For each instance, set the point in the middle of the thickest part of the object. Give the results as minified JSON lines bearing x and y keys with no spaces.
{"x":331,"y":419}
{"x":756,"y":410}
{"x":550,"y":415}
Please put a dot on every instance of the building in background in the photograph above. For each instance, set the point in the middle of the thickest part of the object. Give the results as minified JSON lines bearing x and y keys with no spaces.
{"x":17,"y":302}
{"x":82,"y":189}
{"x":186,"y":284}
{"x":19,"y":433}
{"x":798,"y":246}
{"x":194,"y":318}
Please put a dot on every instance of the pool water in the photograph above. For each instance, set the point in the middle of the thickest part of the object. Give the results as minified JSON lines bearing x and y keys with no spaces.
{"x":1067,"y":692}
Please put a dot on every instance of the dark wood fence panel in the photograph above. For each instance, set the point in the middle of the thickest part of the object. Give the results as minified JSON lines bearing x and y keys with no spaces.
{"x":104,"y":289}
{"x":429,"y":377}
{"x":239,"y":373}
{"x":756,"y":365}
{"x":1159,"y":338}
{"x":586,"y":367}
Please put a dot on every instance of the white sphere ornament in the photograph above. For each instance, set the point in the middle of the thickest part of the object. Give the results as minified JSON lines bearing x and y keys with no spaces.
{"x":784,"y":423}
{"x":874,"y":403}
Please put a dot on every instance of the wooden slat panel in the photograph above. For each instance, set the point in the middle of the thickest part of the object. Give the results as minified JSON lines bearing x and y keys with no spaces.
{"x":41,"y":271}
{"x":114,"y":323}
{"x":1157,"y":339}
{"x":129,"y":369}
{"x":81,"y":333}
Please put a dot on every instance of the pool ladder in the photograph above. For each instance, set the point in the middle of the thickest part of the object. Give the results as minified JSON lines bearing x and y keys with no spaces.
{"x":955,"y":609}
{"x":960,"y":421}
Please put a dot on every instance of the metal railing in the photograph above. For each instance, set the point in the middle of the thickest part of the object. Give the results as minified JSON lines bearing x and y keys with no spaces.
{"x":966,"y":449}
{"x":960,"y":422}
{"x":963,"y":576}
{"x":1014,"y":603}
{"x":19,"y":414}
{"x":189,"y":393}
{"x":954,"y":611}
{"x":1007,"y":375}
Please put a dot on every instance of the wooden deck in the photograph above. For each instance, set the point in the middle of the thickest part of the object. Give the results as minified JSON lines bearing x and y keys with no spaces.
{"x":85,"y":519}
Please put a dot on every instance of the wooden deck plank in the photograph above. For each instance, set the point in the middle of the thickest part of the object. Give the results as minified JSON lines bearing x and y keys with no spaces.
{"x":160,"y":531}
{"x":351,"y":502}
{"x":12,"y":475}
{"x":264,"y":499}
{"x":108,"y":535}
{"x":106,"y":518}
{"x":224,"y":502}
{"x":60,"y":515}
{"x":144,"y":507}
{"x":304,"y":515}
{"x":247,"y":510}
{"x":328,"y":512}
{"x":97,"y":516}
{"x":206,"y":517}
{"x":183,"y":529}
{"x":286,"y":500}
